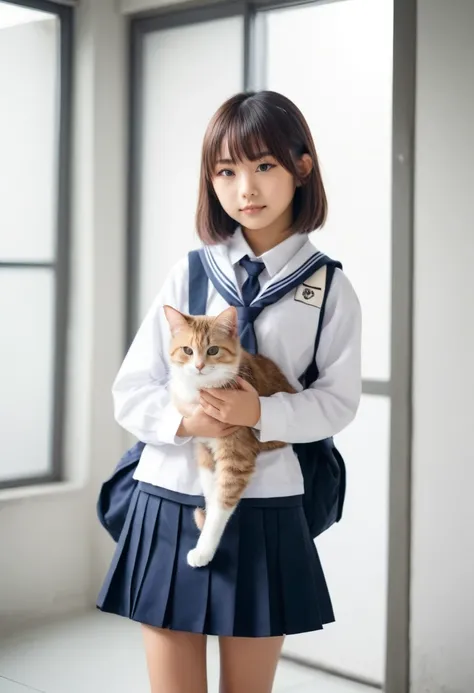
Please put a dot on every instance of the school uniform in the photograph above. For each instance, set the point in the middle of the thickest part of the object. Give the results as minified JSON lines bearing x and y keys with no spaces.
{"x":266,"y":578}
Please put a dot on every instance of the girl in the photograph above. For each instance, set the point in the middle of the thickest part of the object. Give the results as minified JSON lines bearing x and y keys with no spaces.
{"x":260,"y":194}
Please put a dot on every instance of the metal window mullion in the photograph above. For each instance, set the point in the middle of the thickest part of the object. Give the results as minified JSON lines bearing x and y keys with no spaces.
{"x":138,"y":29}
{"x":63,"y":240}
{"x":255,"y":49}
{"x":28,"y":265}
{"x":249,"y":19}
{"x":397,"y":663}
{"x":271,"y":5}
{"x":379,"y":388}
{"x":186,"y":14}
{"x":62,"y":8}
{"x":35,"y":480}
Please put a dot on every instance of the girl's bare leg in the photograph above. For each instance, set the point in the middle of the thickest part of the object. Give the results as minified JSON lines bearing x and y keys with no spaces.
{"x":248,"y":664}
{"x":176,"y":661}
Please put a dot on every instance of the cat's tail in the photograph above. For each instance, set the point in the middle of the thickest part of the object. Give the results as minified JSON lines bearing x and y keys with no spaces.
{"x":272,"y":445}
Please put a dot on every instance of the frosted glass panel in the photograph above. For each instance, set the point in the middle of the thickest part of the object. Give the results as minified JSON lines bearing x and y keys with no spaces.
{"x":337,"y":67}
{"x":26,"y":371}
{"x":188,"y":72}
{"x":29,"y":70}
{"x":354,"y":552}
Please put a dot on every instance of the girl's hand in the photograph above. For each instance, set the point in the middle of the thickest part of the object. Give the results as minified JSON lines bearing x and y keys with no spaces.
{"x":234,"y":407}
{"x":201,"y":424}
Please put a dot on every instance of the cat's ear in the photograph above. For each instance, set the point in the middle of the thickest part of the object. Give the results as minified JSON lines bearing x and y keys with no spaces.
{"x":227,"y":320}
{"x":177,"y":321}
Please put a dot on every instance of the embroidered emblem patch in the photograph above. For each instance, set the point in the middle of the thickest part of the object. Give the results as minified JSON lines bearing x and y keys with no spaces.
{"x":310,"y":295}
{"x":311,"y":291}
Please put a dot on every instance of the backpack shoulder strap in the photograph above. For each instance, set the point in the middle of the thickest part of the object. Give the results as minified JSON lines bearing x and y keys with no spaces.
{"x":320,"y":281}
{"x":198,"y":284}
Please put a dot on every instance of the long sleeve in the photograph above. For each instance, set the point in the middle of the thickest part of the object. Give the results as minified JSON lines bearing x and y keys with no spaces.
{"x":331,"y":403}
{"x":141,"y":399}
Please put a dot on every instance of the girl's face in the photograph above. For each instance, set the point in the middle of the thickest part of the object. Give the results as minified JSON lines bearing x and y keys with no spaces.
{"x":257,"y":194}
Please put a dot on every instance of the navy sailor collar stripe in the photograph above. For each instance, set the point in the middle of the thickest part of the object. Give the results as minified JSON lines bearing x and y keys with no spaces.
{"x":274,"y":291}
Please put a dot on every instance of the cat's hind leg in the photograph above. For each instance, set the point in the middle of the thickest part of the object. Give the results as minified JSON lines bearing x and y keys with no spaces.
{"x":231,"y":477}
{"x":207,"y":476}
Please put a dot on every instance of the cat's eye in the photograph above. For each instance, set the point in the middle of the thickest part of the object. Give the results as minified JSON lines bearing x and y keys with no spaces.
{"x":213,"y":351}
{"x":188,"y":351}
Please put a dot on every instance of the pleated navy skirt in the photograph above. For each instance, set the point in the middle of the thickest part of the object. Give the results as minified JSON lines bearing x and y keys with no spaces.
{"x":265,"y":579}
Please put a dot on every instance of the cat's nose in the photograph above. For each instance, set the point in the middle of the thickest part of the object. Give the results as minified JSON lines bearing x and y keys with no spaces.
{"x":200,"y":366}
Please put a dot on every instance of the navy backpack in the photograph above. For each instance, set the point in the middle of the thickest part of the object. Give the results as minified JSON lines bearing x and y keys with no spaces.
{"x":322,"y":466}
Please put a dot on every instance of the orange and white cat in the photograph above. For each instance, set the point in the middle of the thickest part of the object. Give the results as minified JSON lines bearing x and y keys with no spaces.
{"x":205,"y":352}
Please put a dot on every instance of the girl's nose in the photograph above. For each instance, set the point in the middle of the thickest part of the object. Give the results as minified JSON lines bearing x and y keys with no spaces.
{"x":248,"y":188}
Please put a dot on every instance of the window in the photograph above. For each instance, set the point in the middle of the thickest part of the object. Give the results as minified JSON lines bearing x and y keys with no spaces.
{"x":170,"y":141}
{"x":337,"y":67}
{"x":346,"y":97}
{"x":35,"y":77}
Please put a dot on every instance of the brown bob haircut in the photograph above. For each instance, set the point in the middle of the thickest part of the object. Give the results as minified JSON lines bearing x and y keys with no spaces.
{"x":250,"y":123}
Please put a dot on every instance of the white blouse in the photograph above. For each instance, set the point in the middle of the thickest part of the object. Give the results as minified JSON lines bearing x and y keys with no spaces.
{"x":286,"y":333}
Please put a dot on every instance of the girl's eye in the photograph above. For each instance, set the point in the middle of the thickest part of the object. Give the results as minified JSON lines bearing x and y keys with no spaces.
{"x":226,"y":173}
{"x":268,"y":167}
{"x":213,"y":351}
{"x":188,"y":351}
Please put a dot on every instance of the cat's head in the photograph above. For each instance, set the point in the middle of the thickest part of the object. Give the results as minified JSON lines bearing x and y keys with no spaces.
{"x":204,"y":349}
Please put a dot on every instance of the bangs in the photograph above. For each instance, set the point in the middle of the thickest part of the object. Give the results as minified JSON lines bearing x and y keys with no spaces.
{"x":246,"y":132}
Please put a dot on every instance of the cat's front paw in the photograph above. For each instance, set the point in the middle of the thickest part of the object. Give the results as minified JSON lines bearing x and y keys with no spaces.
{"x":199,"y":557}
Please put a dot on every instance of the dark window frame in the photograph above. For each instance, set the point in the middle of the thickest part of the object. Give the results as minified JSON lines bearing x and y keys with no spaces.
{"x":60,"y":266}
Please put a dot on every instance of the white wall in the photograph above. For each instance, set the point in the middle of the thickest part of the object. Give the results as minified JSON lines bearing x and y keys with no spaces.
{"x":100,"y":190}
{"x":442,"y":618}
{"x":53,"y":551}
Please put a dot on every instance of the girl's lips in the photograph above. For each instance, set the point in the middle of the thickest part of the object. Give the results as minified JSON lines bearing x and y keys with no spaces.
{"x":252,"y":210}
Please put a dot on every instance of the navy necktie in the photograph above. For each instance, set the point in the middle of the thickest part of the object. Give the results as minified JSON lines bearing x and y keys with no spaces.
{"x":247,"y":314}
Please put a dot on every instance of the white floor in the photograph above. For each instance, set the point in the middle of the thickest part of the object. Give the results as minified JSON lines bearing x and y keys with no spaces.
{"x":97,"y":653}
